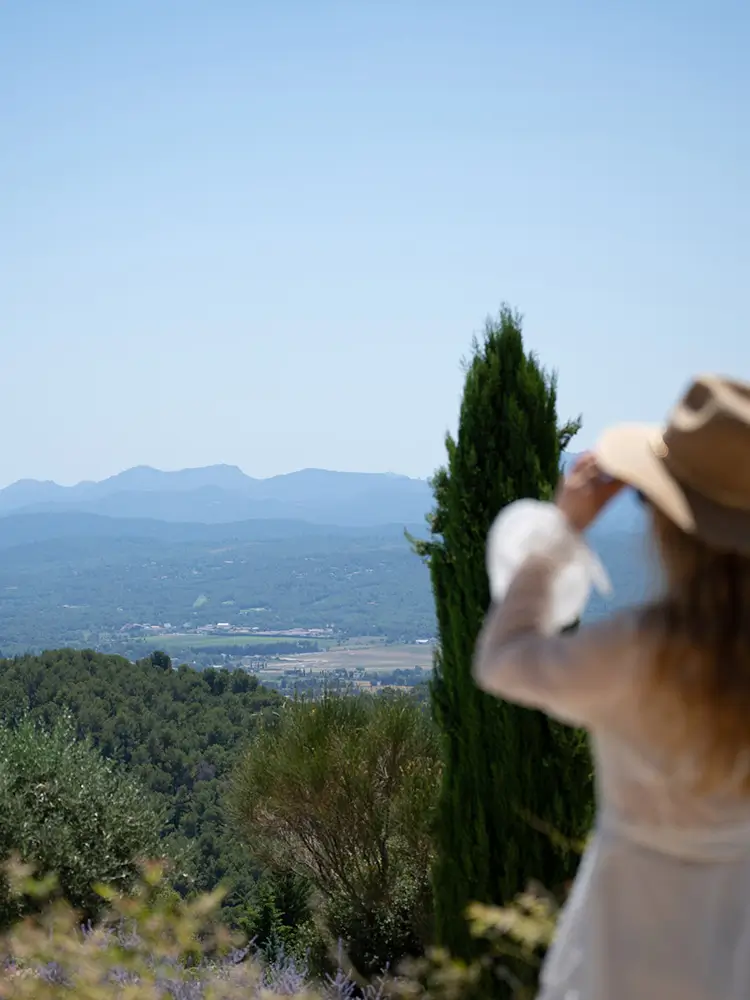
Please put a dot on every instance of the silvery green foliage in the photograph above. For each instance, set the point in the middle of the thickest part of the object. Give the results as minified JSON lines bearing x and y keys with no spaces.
{"x":67,"y":810}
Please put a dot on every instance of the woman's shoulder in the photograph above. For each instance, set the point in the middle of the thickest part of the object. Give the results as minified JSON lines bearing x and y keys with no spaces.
{"x":626,"y":624}
{"x":623,"y":645}
{"x":627,"y":635}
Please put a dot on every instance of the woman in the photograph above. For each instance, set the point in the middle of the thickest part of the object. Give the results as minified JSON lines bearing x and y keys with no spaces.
{"x":660,"y":909}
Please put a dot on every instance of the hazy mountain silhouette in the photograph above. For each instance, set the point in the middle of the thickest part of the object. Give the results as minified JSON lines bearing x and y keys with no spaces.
{"x":144,"y":479}
{"x":223,"y":494}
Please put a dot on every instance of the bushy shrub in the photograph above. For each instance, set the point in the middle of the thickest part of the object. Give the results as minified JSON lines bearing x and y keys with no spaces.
{"x":341,"y":792}
{"x":72,"y":814}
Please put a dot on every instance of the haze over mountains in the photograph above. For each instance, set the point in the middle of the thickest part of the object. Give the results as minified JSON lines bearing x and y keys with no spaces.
{"x":223,"y":494}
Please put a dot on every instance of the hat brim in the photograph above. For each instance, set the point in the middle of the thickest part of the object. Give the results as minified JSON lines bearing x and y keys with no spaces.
{"x":630,"y":453}
{"x":634,"y":454}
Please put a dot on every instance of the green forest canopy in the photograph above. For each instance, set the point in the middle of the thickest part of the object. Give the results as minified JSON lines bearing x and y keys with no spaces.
{"x":177,"y":731}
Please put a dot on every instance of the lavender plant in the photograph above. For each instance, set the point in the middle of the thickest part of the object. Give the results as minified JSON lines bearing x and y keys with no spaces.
{"x":151,"y":945}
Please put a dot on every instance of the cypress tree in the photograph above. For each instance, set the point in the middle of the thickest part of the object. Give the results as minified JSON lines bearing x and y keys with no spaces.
{"x":510,"y":774}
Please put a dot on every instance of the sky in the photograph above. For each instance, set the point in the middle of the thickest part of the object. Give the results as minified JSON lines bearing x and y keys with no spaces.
{"x":264,"y":232}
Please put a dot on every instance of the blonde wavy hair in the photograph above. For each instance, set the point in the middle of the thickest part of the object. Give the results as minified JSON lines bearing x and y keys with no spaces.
{"x":702,"y":627}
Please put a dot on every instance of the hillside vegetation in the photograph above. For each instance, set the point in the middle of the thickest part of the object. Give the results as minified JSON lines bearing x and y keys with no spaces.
{"x":80,"y":583}
{"x":178,"y":732}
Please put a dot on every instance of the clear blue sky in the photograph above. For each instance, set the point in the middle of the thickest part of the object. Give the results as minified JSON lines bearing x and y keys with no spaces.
{"x":264,"y":232}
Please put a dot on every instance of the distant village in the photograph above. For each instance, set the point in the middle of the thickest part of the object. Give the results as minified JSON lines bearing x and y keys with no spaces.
{"x":225,"y":628}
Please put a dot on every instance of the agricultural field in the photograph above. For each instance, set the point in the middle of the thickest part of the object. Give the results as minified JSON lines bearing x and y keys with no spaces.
{"x":363,"y":662}
{"x":379,"y":658}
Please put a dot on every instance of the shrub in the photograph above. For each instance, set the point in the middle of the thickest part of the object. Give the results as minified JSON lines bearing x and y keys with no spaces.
{"x":72,"y":814}
{"x":341,"y":792}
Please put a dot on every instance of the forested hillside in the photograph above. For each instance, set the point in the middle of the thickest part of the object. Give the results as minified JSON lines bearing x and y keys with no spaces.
{"x":177,"y":731}
{"x":80,"y":589}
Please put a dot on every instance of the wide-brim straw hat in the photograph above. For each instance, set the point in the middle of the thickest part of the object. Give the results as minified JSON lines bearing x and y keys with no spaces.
{"x":696,"y":469}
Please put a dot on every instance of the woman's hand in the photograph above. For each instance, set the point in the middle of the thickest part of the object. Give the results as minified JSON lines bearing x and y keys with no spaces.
{"x":584,"y":492}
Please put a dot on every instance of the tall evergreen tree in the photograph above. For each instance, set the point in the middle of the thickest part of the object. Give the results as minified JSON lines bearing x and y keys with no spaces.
{"x":511,"y":775}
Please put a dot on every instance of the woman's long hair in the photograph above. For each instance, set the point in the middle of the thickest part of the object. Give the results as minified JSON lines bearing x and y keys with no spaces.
{"x":702,"y":661}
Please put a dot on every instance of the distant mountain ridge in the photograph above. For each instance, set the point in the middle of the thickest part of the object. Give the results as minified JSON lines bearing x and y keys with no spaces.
{"x":145,"y":478}
{"x":221,"y":494}
{"x":224,"y":494}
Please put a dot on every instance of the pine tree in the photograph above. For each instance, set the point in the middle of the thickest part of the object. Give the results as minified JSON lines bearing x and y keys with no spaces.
{"x":510,"y":775}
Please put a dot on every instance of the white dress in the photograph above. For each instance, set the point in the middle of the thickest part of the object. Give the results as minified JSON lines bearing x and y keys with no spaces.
{"x":660,"y":909}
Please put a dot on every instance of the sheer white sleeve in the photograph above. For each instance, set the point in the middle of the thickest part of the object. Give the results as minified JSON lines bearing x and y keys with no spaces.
{"x":541,"y":574}
{"x":530,"y":528}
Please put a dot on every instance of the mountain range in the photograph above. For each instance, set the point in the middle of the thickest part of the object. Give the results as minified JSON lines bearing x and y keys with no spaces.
{"x":223,"y":494}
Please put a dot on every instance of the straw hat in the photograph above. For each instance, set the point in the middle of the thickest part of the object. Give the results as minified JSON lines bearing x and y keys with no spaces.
{"x":696,"y":470}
